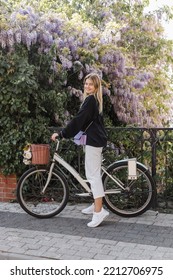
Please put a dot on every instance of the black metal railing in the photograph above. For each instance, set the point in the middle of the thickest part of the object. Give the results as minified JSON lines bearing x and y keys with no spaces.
{"x":151,"y":146}
{"x":154,"y":148}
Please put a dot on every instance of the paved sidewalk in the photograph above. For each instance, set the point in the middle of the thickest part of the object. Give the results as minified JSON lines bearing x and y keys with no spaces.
{"x":67,"y":236}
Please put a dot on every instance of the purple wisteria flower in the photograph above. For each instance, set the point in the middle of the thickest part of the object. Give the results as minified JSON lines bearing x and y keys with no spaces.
{"x":79,"y":47}
{"x":18,"y":36}
{"x":138,"y":84}
{"x":3,"y":38}
{"x":66,"y":63}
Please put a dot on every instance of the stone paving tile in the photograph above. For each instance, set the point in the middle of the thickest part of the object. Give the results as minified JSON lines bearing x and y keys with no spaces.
{"x":168,"y":256}
{"x":102,"y":257}
{"x":66,"y":236}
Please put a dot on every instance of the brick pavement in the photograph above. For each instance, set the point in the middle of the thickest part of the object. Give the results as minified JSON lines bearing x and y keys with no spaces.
{"x":66,"y":236}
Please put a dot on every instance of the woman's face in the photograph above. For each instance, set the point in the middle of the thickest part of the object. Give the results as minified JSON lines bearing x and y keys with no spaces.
{"x":89,"y":86}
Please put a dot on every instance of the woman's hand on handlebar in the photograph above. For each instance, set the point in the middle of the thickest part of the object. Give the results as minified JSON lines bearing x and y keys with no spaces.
{"x":54,"y":136}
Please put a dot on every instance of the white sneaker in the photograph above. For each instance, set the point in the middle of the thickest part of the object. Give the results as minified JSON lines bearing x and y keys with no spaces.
{"x":98,"y":218}
{"x":88,"y":210}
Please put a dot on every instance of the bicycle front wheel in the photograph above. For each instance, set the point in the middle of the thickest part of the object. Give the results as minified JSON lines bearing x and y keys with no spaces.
{"x":128,"y":198}
{"x":31,"y":199}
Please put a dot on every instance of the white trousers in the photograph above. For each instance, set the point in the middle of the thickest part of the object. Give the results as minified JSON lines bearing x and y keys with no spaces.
{"x":93,"y":159}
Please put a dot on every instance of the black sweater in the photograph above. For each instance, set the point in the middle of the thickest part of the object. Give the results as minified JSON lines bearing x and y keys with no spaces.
{"x":96,"y":135}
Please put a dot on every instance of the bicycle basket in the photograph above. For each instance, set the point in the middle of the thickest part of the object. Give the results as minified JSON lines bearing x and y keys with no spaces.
{"x":40,"y":153}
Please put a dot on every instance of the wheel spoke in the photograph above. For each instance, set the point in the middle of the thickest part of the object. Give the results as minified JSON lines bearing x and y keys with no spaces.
{"x":136,"y":196}
{"x":38,"y":204}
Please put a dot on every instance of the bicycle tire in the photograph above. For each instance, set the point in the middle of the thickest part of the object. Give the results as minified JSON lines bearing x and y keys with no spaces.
{"x":138,"y":194}
{"x":46,"y":205}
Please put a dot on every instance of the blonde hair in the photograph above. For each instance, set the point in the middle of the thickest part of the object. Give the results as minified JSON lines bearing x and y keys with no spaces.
{"x":98,"y":89}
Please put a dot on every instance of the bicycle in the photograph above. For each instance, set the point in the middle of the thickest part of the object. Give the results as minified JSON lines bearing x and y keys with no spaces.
{"x":43,"y":192}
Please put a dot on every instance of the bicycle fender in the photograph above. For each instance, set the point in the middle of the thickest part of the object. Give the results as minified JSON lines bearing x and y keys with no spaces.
{"x":126,"y":161}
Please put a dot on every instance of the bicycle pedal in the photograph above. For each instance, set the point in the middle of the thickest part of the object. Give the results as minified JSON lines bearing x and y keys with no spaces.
{"x":83,"y":194}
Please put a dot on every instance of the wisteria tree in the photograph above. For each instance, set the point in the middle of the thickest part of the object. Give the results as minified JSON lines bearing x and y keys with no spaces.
{"x":46,"y":49}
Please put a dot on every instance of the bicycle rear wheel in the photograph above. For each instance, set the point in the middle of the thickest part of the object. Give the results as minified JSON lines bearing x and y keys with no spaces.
{"x":31,"y":199}
{"x":137,"y":195}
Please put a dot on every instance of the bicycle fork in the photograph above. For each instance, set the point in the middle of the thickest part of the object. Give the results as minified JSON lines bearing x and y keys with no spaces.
{"x":49,"y":177}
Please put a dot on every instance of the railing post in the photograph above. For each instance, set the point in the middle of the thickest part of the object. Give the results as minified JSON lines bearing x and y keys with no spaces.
{"x":153,"y":133}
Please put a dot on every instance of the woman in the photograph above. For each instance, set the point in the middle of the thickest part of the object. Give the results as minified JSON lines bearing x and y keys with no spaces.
{"x":91,"y":111}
